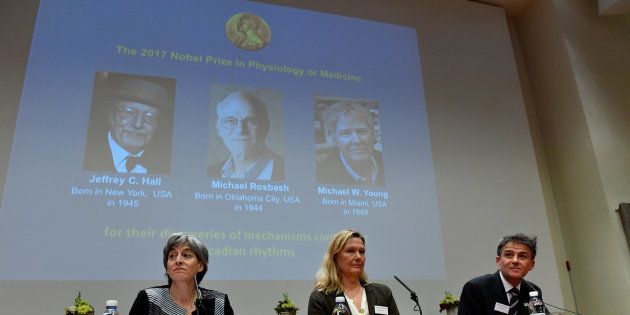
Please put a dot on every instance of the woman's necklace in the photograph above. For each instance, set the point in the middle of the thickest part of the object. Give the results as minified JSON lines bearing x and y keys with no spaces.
{"x":189,"y":307}
{"x":353,"y":296}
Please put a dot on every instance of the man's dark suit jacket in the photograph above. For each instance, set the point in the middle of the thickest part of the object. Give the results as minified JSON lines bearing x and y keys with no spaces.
{"x":277,"y":174}
{"x":480,"y":295}
{"x":332,"y":171}
{"x":98,"y":157}
{"x":321,"y":303}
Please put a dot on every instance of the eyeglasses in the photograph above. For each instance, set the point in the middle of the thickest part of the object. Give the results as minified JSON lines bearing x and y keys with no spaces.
{"x":230,"y":122}
{"x":128,"y":113}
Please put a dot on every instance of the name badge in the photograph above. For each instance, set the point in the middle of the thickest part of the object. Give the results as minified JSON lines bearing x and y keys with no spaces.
{"x":380,"y":309}
{"x":501,"y":308}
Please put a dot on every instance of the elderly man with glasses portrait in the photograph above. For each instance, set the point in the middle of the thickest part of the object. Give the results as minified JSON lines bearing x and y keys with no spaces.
{"x":136,"y":109}
{"x":243,"y":124}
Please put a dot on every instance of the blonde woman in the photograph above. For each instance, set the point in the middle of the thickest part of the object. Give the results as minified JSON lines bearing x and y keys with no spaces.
{"x":342,"y":274}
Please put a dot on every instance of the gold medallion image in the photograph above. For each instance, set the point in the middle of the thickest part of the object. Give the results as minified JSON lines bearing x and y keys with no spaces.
{"x":248,"y":31}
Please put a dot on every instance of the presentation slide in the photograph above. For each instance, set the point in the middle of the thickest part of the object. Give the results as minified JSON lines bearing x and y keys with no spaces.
{"x":260,"y":129}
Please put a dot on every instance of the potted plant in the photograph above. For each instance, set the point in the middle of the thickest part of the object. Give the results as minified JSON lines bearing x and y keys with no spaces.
{"x":449,"y":303}
{"x":286,"y":306}
{"x":80,"y":307}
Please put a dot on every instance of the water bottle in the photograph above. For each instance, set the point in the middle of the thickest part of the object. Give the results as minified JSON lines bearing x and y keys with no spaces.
{"x":536,"y":305}
{"x":340,"y":306}
{"x":111,"y":307}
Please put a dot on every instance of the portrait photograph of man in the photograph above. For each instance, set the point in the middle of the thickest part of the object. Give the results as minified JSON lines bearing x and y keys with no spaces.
{"x":246,"y":142}
{"x":348,"y":147}
{"x":131,"y":124}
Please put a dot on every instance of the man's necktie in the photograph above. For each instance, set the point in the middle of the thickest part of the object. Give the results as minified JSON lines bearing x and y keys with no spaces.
{"x":513,"y":301}
{"x":131,"y":162}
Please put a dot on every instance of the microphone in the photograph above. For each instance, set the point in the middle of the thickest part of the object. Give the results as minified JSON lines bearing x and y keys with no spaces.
{"x":414,"y":296}
{"x":198,"y":298}
{"x":532,"y":288}
{"x":559,"y":308}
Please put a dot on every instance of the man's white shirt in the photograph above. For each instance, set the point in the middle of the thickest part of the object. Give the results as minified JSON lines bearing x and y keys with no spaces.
{"x":120,"y":155}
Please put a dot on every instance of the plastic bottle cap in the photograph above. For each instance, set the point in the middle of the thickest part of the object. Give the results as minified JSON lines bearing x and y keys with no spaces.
{"x":111,"y":303}
{"x":340,"y":299}
{"x":533,"y":293}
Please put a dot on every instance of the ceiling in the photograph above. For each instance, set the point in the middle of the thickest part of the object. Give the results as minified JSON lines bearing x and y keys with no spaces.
{"x":513,"y":8}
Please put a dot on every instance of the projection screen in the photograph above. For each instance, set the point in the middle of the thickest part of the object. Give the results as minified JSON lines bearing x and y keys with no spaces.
{"x":106,"y":79}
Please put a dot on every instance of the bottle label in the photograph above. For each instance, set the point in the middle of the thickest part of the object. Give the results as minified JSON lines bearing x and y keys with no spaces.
{"x":340,"y":309}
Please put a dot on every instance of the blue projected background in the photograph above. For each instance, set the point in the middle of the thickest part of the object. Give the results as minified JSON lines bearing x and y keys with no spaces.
{"x":53,"y":207}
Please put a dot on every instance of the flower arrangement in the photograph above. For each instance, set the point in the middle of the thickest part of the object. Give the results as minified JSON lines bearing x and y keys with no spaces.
{"x":449,"y":301}
{"x":80,"y":307}
{"x":286,"y":305}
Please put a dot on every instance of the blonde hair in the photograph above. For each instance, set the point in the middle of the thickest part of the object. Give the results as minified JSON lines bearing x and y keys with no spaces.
{"x":327,"y":278}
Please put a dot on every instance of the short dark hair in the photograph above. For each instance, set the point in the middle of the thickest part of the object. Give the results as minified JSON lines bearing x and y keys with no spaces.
{"x":520,"y":238}
{"x":196,"y":246}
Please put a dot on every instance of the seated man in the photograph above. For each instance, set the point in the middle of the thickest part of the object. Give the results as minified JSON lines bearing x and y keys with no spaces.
{"x":505,"y":291}
{"x":354,"y":161}
{"x":243,"y":124}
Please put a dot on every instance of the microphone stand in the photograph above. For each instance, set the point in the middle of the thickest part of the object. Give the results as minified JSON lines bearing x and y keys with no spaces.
{"x":414,"y":296}
{"x":198,"y":297}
